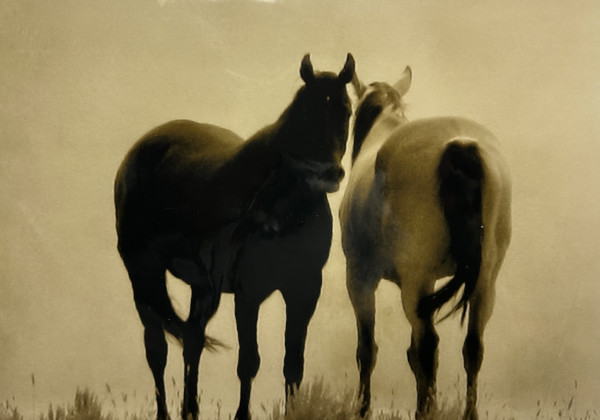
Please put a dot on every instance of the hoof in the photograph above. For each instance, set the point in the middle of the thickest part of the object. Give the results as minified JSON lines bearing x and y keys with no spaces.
{"x":163,"y":416}
{"x":364,"y":409}
{"x":471,"y":414}
{"x":191,"y":413}
{"x":242,"y":414}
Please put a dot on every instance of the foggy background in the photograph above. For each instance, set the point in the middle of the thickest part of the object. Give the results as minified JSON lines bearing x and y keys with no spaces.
{"x":81,"y":81}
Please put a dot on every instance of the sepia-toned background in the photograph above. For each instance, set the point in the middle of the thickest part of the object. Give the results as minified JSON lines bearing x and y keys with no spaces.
{"x":81,"y":81}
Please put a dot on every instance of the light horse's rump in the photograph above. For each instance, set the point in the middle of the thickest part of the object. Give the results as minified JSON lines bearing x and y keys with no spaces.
{"x":425,"y":200}
{"x":227,"y":215}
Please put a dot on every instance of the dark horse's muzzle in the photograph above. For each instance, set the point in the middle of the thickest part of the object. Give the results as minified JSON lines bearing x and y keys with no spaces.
{"x":328,"y":180}
{"x":323,"y":177}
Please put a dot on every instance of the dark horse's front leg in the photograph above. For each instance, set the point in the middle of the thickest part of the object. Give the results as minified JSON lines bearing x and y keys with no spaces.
{"x":301,"y":296}
{"x":246,"y":316}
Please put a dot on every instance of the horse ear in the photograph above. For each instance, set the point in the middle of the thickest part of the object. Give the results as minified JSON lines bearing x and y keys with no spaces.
{"x":402,"y":85}
{"x":347,"y":72}
{"x":359,"y":87}
{"x":306,"y":70}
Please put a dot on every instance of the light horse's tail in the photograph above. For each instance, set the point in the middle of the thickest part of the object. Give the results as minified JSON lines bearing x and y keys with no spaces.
{"x":461,"y":176}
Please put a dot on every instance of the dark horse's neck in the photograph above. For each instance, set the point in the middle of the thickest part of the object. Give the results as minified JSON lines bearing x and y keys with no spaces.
{"x":256,"y":159}
{"x":261,"y":156}
{"x":280,"y":195}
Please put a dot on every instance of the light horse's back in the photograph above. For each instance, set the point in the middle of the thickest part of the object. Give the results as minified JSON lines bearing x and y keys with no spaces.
{"x":425,"y":200}
{"x":430,"y":171}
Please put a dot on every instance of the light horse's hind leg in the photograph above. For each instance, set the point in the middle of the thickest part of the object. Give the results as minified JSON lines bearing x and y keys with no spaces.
{"x":480,"y":311}
{"x":361,"y":286}
{"x":423,"y":351}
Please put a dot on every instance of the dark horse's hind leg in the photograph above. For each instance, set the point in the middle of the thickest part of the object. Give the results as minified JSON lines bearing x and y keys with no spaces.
{"x":203,"y":304}
{"x":156,"y":313}
{"x":156,"y":355}
{"x":301,"y":301}
{"x":246,"y":316}
{"x":193,"y":343}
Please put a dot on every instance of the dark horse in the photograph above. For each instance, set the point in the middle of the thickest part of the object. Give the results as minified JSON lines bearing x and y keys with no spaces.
{"x":426,"y":199}
{"x":227,"y":215}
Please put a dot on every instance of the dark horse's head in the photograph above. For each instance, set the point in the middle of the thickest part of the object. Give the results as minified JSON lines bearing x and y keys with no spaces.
{"x":316,"y":126}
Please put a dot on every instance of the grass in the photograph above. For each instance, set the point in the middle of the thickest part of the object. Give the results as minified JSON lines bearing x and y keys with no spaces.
{"x":315,"y":401}
{"x":318,"y":401}
{"x":9,"y":412}
{"x":85,"y":406}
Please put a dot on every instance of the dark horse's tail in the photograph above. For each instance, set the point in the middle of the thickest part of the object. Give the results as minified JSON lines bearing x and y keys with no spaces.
{"x":460,"y":174}
{"x":134,"y":189}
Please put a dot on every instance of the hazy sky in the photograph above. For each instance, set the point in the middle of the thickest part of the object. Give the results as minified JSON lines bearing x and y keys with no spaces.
{"x":81,"y":81}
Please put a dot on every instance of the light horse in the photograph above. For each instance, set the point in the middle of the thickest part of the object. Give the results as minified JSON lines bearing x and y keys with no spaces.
{"x":227,"y":215}
{"x":425,"y":200}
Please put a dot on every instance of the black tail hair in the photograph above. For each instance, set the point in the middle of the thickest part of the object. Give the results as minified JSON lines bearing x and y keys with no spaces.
{"x":460,"y":174}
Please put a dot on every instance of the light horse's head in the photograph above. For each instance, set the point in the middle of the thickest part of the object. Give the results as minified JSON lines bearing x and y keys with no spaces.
{"x":317,"y":126}
{"x":376,"y":100}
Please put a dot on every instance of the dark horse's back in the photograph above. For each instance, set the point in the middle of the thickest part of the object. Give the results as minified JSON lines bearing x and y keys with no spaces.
{"x":164,"y":178}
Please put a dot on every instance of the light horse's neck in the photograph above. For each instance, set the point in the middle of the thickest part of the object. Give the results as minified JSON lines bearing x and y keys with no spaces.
{"x":388,"y":120}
